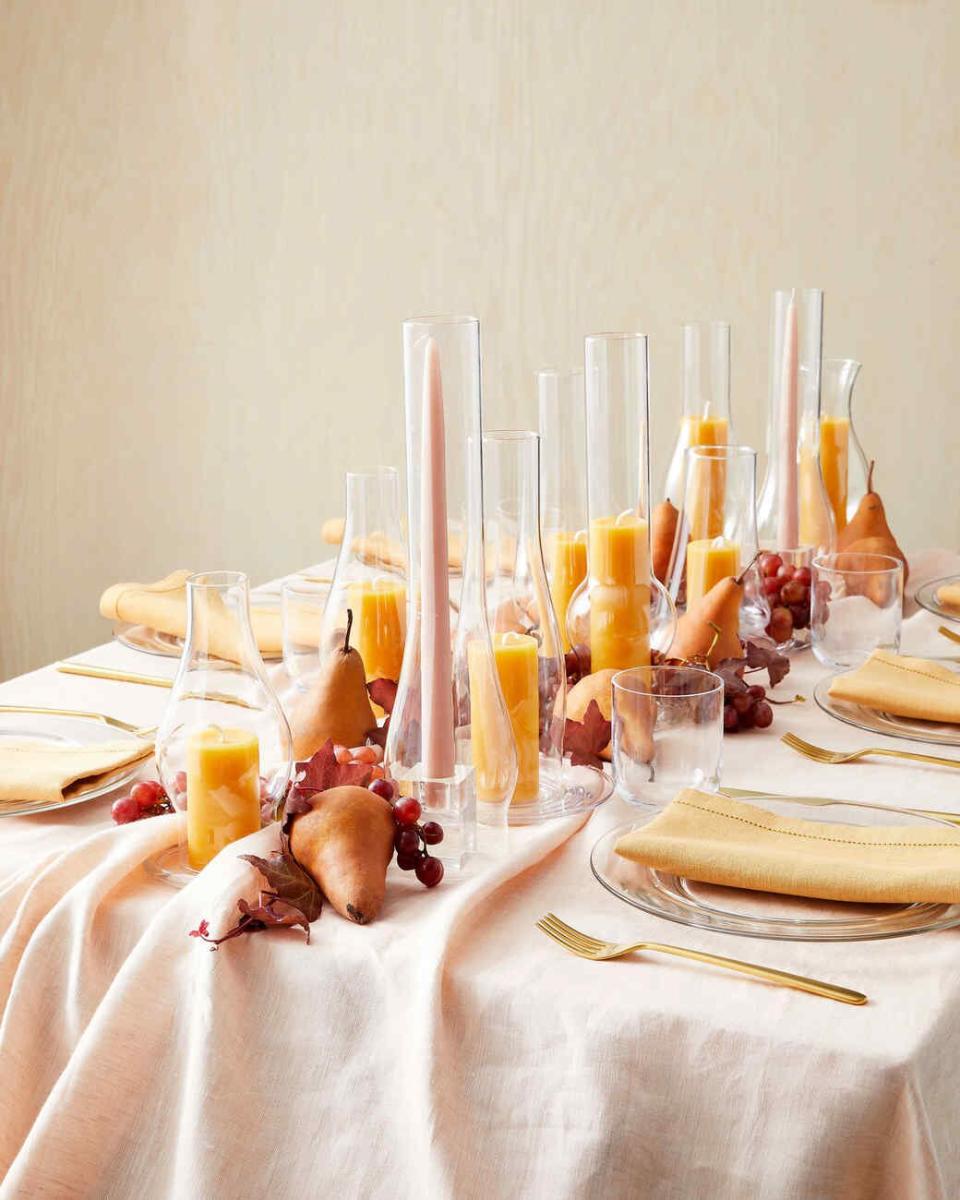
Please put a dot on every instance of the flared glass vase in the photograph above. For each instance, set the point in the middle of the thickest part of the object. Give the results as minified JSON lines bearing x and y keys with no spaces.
{"x":224,"y":750}
{"x":527,"y":648}
{"x":843,"y":463}
{"x":794,"y":517}
{"x":370,"y":577}
{"x":619,"y":612}
{"x":705,"y":419}
{"x":448,"y":657}
{"x":563,"y":486}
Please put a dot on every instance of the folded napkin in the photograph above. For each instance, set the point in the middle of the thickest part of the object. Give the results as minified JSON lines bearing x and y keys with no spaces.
{"x":163,"y":606}
{"x":907,"y":687}
{"x":949,"y":596}
{"x":43,"y":773}
{"x":718,"y":840}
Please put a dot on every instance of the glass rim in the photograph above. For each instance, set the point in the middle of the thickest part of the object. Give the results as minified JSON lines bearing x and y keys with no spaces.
{"x":510,"y":435}
{"x":799,"y":291}
{"x":664,"y":668}
{"x":621,"y":336}
{"x":730,"y":450}
{"x":443,"y":319}
{"x":709,"y":323}
{"x":558,"y":372}
{"x":218,"y":579}
{"x":821,"y":564}
{"x":305,"y":584}
{"x":371,"y":472}
{"x":841,"y":362}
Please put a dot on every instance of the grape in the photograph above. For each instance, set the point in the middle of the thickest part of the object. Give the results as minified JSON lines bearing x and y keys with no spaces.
{"x":770,"y":564}
{"x":780,"y":626}
{"x":406,"y":840}
{"x":742,"y":702}
{"x":125,"y":809}
{"x":756,"y":691}
{"x":731,"y":722}
{"x":801,"y":615}
{"x":748,"y":718}
{"x":431,"y":832}
{"x":383,"y":788}
{"x":793,"y":592}
{"x":430,"y":871}
{"x":771,"y":586}
{"x":409,"y":862}
{"x":364,"y":754}
{"x":785,"y":572}
{"x":803,"y":576}
{"x":763,"y":715}
{"x":146,"y":793}
{"x":407,"y":811}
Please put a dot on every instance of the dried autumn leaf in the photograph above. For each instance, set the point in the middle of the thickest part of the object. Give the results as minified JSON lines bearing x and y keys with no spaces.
{"x":584,"y":740}
{"x":322,"y":772}
{"x":271,"y":913}
{"x":288,"y":881}
{"x":764,"y":653}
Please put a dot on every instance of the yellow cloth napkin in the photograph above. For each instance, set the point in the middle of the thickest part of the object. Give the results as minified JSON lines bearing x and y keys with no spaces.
{"x":907,"y":687}
{"x":718,"y":840}
{"x":949,"y":596}
{"x":40,"y":773}
{"x":163,"y":606}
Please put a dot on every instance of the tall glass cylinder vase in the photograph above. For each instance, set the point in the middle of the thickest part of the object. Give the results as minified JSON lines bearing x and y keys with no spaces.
{"x":618,"y":612}
{"x":448,"y":656}
{"x":705,"y":419}
{"x":563,"y":486}
{"x":794,"y":517}
{"x":843,"y":463}
{"x":224,"y":750}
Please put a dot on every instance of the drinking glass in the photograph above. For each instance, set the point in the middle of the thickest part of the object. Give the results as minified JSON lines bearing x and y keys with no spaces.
{"x":302,"y":603}
{"x":667,"y":732}
{"x":857,"y":606}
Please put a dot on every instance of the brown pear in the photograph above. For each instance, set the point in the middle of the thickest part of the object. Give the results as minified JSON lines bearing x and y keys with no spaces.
{"x":337,"y":705}
{"x":710,"y":628}
{"x":868,"y":531}
{"x":345,"y":842}
{"x":663,"y":531}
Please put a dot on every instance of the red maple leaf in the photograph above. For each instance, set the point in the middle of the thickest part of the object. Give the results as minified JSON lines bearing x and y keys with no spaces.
{"x":584,"y":740}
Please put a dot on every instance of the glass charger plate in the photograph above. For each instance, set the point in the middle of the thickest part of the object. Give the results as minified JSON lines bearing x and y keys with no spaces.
{"x":53,"y":729}
{"x":926,"y":597}
{"x":874,"y":721}
{"x":766,"y":914}
{"x":152,"y":641}
{"x":563,"y":792}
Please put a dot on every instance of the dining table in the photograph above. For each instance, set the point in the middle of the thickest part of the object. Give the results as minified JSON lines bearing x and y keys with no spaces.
{"x":449,"y":1048}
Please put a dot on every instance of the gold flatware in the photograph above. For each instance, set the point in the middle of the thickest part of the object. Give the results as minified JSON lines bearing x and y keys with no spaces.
{"x":818,"y":801}
{"x":819,"y":754}
{"x":140,"y":731}
{"x":948,"y":633}
{"x":91,"y":672}
{"x":599,"y":951}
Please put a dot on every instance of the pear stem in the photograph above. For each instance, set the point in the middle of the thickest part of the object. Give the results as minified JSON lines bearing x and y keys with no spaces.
{"x":743,"y":574}
{"x":346,"y":636}
{"x":873,"y":463}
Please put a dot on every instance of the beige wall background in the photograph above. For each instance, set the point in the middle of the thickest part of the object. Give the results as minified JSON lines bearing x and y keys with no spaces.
{"x":215,"y":213}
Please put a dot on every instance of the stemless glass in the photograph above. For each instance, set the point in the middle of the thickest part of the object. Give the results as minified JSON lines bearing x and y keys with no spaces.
{"x":667,"y":732}
{"x":857,"y":606}
{"x":224,"y":750}
{"x":302,"y":603}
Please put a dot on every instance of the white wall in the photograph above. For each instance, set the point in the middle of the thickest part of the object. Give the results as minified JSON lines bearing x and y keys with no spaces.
{"x":215,"y":213}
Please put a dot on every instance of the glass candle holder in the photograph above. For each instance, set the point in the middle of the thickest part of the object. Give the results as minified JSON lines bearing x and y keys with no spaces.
{"x":857,"y":607}
{"x":563,"y":486}
{"x":448,"y":656}
{"x":224,"y":750}
{"x":667,"y":732}
{"x":717,"y":531}
{"x":619,"y":611}
{"x":370,"y":575}
{"x":843,"y":463}
{"x":705,"y":419}
{"x":793,"y":510}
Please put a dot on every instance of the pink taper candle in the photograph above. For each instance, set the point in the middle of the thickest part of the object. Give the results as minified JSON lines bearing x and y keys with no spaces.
{"x":436,"y":660}
{"x":788,"y":521}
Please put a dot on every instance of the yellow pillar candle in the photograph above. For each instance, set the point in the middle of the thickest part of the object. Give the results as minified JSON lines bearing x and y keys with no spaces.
{"x":619,"y":559}
{"x":566,"y":566}
{"x":515,"y":655}
{"x":706,"y":431}
{"x":708,"y":561}
{"x":223,"y":790}
{"x":379,"y":624}
{"x":834,"y":450}
{"x":708,"y":478}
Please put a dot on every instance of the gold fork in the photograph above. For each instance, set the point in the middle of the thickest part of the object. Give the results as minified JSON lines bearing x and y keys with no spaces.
{"x":819,"y":754}
{"x":598,"y":951}
{"x":140,"y":731}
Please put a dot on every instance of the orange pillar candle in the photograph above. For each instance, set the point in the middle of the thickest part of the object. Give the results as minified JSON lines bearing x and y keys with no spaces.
{"x":566,"y":567}
{"x":516,"y":658}
{"x":379,"y":619}
{"x":619,"y":560}
{"x":834,"y":450}
{"x":708,"y":561}
{"x":707,"y":482}
{"x":223,"y":790}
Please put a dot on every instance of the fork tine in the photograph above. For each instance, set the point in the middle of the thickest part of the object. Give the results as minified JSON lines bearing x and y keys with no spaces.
{"x":558,"y":930}
{"x":559,"y":933}
{"x":554,"y":936}
{"x":816,"y":753}
{"x":575,"y":935}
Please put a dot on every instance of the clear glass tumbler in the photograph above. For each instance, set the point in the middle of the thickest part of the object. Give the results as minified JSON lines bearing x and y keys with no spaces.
{"x":667,"y":732}
{"x":857,"y":607}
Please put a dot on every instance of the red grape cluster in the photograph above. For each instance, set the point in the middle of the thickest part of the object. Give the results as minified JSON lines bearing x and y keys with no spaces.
{"x":145,"y":799}
{"x":745,"y":708}
{"x":412,"y":839}
{"x":787,"y":590}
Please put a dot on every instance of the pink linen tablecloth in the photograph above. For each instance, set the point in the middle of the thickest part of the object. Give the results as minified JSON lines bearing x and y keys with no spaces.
{"x":449,"y":1049}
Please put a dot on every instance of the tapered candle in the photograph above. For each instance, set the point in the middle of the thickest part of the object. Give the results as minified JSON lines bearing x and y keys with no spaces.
{"x":788,"y":518}
{"x":436,"y":662}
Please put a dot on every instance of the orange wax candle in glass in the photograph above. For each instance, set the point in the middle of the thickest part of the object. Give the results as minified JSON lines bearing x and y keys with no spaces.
{"x":834,"y":452}
{"x":516,"y":658}
{"x":379,"y":621}
{"x":619,"y":592}
{"x":708,"y":561}
{"x":842,"y":461}
{"x":223,"y":790}
{"x":705,"y":419}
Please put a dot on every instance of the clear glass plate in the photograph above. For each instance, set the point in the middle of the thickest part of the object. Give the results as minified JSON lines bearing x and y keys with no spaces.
{"x":152,"y":641}
{"x":562,"y":793}
{"x":874,"y":721}
{"x":926,"y":597}
{"x":52,"y":729}
{"x":766,"y":914}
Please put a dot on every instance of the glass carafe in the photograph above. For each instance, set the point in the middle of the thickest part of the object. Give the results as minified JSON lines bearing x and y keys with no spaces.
{"x":705,"y":419}
{"x":843,"y":463}
{"x":224,"y":750}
